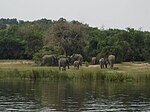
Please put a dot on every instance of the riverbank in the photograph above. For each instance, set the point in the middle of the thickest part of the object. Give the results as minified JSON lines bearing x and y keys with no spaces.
{"x":27,"y":70}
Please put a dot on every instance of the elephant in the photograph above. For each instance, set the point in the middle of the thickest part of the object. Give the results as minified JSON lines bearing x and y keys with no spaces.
{"x":63,"y":62}
{"x":77,"y":57}
{"x":93,"y":60}
{"x":111,"y":60}
{"x":101,"y":62}
{"x":49,"y":60}
{"x":106,"y":62}
{"x":76,"y":64}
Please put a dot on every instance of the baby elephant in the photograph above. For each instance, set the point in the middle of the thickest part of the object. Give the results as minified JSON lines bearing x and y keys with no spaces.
{"x":101,"y":62}
{"x":76,"y":64}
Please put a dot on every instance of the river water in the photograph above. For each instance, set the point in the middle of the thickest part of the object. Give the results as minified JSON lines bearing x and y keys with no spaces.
{"x":73,"y":96}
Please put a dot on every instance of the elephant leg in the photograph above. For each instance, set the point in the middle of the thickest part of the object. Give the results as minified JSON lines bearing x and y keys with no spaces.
{"x":64,"y":68}
{"x":101,"y":66}
{"x":111,"y":65}
{"x":80,"y":63}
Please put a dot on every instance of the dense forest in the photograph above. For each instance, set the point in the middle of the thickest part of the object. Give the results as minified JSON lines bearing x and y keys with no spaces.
{"x":31,"y":40}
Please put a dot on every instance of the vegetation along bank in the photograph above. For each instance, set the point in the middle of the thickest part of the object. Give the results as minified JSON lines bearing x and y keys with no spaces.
{"x":32,"y":40}
{"x":26,"y":40}
{"x":27,"y":70}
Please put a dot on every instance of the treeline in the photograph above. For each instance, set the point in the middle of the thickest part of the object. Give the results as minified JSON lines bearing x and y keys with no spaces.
{"x":31,"y":40}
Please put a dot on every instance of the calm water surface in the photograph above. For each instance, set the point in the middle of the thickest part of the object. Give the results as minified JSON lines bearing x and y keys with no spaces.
{"x":73,"y":96}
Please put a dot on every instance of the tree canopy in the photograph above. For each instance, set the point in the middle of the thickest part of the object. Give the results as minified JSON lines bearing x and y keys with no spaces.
{"x":26,"y":40}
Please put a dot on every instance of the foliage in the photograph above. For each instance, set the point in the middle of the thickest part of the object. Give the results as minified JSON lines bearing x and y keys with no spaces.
{"x":31,"y":40}
{"x":70,"y":36}
{"x":11,"y":48}
{"x":37,"y":57}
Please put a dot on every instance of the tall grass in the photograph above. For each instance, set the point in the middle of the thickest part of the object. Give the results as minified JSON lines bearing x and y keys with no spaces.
{"x":83,"y":74}
{"x":26,"y":71}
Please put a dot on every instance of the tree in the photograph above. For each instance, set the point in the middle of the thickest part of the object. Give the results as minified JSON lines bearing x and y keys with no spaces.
{"x":33,"y":39}
{"x":138,"y":45}
{"x":11,"y":48}
{"x":70,"y":36}
{"x":146,"y":52}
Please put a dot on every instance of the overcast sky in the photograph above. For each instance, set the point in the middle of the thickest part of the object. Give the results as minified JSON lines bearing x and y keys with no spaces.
{"x":97,"y":13}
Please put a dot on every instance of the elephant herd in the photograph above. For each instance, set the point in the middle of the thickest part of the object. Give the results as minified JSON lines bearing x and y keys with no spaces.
{"x":62,"y":61}
{"x":104,"y":61}
{"x":76,"y":60}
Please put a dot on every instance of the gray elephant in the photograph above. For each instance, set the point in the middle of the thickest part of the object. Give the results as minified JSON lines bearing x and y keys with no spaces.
{"x":77,"y":57}
{"x":76,"y":64}
{"x":101,"y":62}
{"x":93,"y":60}
{"x":63,"y":62}
{"x":106,"y":62}
{"x":111,"y":59}
{"x":49,"y":60}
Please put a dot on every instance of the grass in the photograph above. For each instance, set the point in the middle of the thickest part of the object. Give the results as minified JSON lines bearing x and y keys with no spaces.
{"x":27,"y":70}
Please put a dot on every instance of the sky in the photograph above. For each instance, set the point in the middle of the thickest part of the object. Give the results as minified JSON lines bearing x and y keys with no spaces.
{"x":97,"y":13}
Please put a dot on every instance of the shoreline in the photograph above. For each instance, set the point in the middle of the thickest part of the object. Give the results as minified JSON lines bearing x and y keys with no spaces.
{"x":27,"y":70}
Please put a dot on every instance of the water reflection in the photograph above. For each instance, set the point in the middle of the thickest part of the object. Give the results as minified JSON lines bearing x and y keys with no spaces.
{"x":73,"y":96}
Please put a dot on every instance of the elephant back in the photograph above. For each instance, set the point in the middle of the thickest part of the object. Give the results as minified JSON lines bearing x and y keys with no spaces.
{"x":77,"y":57}
{"x":62,"y":62}
{"x":111,"y":58}
{"x":76,"y":64}
{"x":49,"y":60}
{"x":93,"y":58}
{"x":101,"y":60}
{"x":46,"y":60}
